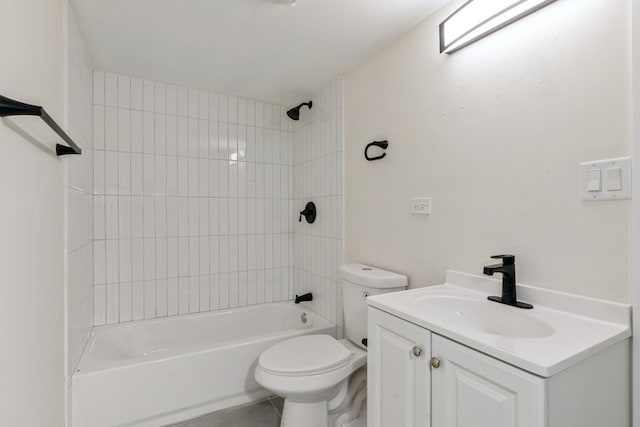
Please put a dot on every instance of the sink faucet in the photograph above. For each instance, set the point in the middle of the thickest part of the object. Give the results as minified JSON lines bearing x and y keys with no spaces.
{"x":508,"y":271}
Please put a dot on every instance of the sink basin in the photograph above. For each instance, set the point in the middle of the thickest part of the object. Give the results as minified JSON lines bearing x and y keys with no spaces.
{"x":482,"y":316}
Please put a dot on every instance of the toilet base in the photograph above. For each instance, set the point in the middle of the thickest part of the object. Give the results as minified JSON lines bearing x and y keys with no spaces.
{"x":296,"y":414}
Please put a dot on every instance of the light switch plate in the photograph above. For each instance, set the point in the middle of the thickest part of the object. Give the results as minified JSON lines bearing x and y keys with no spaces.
{"x":616,"y":187}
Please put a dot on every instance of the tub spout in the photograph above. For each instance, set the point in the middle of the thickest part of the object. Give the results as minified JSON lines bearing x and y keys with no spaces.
{"x":305,"y":297}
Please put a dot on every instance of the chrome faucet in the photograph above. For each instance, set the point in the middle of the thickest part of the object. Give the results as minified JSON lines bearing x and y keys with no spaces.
{"x":508,"y":271}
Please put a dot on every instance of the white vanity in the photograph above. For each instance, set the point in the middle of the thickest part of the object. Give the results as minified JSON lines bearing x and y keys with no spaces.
{"x":445,"y":356}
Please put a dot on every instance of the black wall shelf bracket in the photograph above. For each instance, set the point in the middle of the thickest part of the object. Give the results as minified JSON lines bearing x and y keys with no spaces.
{"x":10,"y":107}
{"x":380,"y":144}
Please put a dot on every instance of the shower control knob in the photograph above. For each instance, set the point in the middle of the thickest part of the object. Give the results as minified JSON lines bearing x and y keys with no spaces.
{"x":417,"y":351}
{"x":435,"y":362}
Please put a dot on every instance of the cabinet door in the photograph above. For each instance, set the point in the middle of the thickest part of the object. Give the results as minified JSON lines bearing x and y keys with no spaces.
{"x":470,"y":389}
{"x":398,"y":390}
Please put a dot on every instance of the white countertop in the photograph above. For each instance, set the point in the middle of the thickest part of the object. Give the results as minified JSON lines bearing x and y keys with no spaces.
{"x":580,"y":326}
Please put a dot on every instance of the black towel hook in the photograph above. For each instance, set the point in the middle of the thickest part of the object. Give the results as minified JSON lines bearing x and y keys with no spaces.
{"x":380,"y":144}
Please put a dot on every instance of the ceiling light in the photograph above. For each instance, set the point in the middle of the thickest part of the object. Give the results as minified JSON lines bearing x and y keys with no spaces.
{"x":476,"y":19}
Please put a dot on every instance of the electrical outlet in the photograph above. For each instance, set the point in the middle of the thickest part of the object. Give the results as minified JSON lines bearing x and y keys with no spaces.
{"x":421,"y":206}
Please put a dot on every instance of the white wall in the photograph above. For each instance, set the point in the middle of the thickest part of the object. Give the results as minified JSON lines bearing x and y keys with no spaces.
{"x":494,"y":134}
{"x":32,"y":218}
{"x":79,"y":194}
{"x":193,"y":200}
{"x":318,"y":148}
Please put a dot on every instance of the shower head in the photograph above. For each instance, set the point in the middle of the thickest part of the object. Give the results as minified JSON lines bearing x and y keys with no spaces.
{"x":294,"y":113}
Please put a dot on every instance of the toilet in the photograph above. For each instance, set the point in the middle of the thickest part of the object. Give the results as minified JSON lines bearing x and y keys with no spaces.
{"x":323,"y":380}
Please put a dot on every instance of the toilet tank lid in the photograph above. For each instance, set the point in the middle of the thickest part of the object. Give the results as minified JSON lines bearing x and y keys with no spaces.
{"x":372,"y":277}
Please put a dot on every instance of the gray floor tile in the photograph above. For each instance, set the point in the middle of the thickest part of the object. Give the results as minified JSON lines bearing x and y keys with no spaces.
{"x":262,"y":414}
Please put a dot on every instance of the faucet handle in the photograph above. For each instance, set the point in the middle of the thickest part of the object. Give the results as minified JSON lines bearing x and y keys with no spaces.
{"x":506,"y":259}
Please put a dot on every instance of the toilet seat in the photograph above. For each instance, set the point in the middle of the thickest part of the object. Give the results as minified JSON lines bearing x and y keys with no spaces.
{"x":305,"y":355}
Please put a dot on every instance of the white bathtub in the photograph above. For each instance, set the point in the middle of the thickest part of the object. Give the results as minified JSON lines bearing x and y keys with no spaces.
{"x":161,"y":371}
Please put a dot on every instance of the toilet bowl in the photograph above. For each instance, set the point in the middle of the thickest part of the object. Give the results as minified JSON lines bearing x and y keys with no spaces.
{"x":322,"y":379}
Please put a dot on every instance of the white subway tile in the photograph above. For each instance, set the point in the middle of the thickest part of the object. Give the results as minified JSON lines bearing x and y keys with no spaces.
{"x":99,"y":218}
{"x":172,"y":257}
{"x":183,"y":295}
{"x":137,"y":300}
{"x":183,"y":216}
{"x":111,"y":261}
{"x":172,"y":217}
{"x":172,"y":296}
{"x":148,"y":174}
{"x":172,"y":100}
{"x":98,"y":127}
{"x":124,"y":130}
{"x":100,"y":305}
{"x":161,"y":98}
{"x":148,"y":137}
{"x":124,"y":253}
{"x":172,"y":135}
{"x":149,"y":219}
{"x":213,"y":106}
{"x":203,"y":105}
{"x":204,"y":297}
{"x":224,"y":291}
{"x":161,"y":298}
{"x":148,"y":92}
{"x":183,"y":256}
{"x":193,"y":138}
{"x":161,"y":258}
{"x":124,"y":92}
{"x":111,"y":128}
{"x":149,"y":259}
{"x":99,"y":262}
{"x":194,"y":294}
{"x":137,"y":217}
{"x":126,"y":301}
{"x":172,"y":176}
{"x":193,"y":103}
{"x":110,"y":90}
{"x":203,"y":139}
{"x":160,"y":176}
{"x":136,"y":94}
{"x":183,"y":137}
{"x":160,"y":216}
{"x":183,"y":101}
{"x":124,"y":217}
{"x":111,"y":217}
{"x":194,"y":256}
{"x":149,"y":299}
{"x":98,"y":87}
{"x":160,"y":136}
{"x":223,"y":108}
{"x":194,"y":177}
{"x":136,"y":131}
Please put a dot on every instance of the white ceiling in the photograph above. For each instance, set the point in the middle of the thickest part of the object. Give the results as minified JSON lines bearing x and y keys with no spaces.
{"x":258,"y":48}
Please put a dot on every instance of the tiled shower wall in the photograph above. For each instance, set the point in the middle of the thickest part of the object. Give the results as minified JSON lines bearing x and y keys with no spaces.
{"x":79,"y":194}
{"x":318,"y":172}
{"x":193,"y":207}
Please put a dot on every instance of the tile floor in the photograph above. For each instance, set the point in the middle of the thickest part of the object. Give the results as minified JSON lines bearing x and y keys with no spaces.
{"x":261,"y":414}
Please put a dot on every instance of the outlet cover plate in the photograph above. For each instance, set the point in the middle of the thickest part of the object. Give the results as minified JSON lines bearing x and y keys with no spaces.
{"x":420,"y":206}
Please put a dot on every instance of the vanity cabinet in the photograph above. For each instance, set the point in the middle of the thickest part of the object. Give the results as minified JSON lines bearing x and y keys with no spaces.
{"x":417,"y":378}
{"x":398,"y":376}
{"x":471,"y":389}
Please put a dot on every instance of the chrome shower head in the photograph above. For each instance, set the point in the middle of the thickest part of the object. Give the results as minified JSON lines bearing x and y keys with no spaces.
{"x":294,"y":113}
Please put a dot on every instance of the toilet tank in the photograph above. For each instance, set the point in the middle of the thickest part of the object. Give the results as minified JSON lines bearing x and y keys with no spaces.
{"x":358,"y":282}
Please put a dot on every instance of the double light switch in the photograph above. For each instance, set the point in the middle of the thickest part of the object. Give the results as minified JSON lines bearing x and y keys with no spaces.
{"x":606,"y":179}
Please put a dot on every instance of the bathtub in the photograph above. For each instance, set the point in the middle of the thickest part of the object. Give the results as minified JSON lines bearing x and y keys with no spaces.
{"x":162,"y":371}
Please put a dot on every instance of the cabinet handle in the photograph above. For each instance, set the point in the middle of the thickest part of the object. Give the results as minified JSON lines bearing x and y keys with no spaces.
{"x":435,"y":362}
{"x":417,"y":351}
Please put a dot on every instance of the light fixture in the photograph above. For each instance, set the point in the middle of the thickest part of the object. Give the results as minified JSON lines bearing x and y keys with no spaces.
{"x":476,"y":19}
